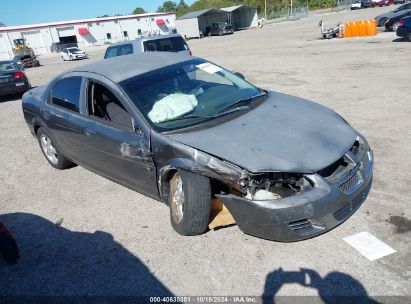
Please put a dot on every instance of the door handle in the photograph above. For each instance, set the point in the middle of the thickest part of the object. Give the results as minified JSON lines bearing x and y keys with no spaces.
{"x":89,"y":132}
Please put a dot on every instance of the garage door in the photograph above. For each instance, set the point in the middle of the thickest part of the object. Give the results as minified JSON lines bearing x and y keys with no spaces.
{"x":4,"y":54}
{"x":66,"y":31}
{"x":35,"y":41}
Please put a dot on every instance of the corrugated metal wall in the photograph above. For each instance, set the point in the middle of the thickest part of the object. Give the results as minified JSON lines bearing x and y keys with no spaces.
{"x":188,"y":28}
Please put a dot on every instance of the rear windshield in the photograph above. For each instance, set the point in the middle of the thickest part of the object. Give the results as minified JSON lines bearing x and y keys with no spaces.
{"x":171,"y":44}
{"x":8,"y":66}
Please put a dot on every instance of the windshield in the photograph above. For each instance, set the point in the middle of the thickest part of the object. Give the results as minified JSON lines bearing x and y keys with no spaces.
{"x":187,"y":93}
{"x":8,"y":66}
{"x":74,"y":50}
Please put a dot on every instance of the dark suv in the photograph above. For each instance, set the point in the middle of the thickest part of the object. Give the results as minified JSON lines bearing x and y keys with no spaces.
{"x":220,"y":28}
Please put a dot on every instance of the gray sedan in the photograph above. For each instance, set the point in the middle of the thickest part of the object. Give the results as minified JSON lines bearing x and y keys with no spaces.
{"x":383,"y":18}
{"x":185,"y":131}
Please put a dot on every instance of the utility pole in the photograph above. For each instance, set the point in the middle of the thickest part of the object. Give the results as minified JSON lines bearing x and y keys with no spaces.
{"x":265,"y":9}
{"x":291,"y":11}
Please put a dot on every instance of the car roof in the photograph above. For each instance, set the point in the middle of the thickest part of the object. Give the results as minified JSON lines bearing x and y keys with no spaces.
{"x":138,"y":40}
{"x":6,"y":61}
{"x":124,"y":67}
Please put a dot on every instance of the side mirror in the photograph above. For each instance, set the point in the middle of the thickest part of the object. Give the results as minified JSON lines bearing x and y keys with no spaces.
{"x":240,"y":75}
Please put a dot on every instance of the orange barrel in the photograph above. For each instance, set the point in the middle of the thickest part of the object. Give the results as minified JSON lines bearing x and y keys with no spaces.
{"x":347,"y":30}
{"x":374,"y":26}
{"x":370,"y":28}
{"x":363,"y":28}
{"x":355,"y":29}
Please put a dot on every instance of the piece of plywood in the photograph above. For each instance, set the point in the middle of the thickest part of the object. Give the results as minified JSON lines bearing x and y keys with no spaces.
{"x":220,"y":216}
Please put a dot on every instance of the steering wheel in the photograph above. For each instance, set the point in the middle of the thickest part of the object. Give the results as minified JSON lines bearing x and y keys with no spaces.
{"x":196,"y":89}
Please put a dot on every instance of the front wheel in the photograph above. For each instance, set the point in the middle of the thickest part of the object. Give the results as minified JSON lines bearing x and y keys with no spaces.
{"x":55,"y":158}
{"x":190,"y":202}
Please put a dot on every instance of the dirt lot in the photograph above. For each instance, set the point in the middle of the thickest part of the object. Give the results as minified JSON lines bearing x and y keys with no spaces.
{"x":113,"y":241}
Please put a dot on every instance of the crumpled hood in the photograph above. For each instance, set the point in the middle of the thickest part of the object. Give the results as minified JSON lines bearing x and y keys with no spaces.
{"x":284,"y":133}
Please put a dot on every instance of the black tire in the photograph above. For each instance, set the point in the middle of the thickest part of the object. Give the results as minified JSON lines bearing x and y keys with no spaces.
{"x":408,"y":36}
{"x":382,"y":22}
{"x":62,"y":161}
{"x":196,"y":206}
{"x":8,"y":246}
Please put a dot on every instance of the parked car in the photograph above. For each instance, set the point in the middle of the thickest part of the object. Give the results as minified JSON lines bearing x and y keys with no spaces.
{"x":166,"y":43}
{"x":383,"y":18}
{"x":13,"y":79}
{"x":393,"y":23}
{"x":57,"y":47}
{"x":404,"y":28}
{"x":385,"y":3}
{"x":26,"y":61}
{"x":72,"y":53}
{"x":220,"y":28}
{"x":358,"y":4}
{"x":184,"y":131}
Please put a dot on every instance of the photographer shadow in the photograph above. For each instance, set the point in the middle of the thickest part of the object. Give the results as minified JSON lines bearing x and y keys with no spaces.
{"x":335,"y":287}
{"x":55,"y":261}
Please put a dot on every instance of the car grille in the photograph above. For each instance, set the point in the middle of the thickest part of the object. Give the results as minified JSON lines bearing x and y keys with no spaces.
{"x":349,"y":184}
{"x":352,"y":206}
{"x":306,"y":226}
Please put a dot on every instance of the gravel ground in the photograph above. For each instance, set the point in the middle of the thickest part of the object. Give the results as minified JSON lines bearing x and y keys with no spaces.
{"x":80,"y":234}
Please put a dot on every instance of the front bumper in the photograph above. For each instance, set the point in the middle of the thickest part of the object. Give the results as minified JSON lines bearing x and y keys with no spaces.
{"x":308,"y":213}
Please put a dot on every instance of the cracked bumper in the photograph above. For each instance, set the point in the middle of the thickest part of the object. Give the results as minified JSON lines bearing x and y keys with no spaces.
{"x":306,"y":214}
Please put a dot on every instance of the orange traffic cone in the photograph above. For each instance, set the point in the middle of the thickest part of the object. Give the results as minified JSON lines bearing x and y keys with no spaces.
{"x":354,"y":29}
{"x":374,"y":23}
{"x":362,"y":28}
{"x":347,"y":30}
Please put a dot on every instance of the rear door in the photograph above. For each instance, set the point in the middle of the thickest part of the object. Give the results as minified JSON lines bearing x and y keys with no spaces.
{"x":62,"y":115}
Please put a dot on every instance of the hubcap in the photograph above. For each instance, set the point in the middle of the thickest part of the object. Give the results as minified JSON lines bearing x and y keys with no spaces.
{"x":177,"y":199}
{"x":48,"y":149}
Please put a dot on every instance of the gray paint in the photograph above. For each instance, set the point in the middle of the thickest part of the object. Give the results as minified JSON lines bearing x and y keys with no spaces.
{"x":285,"y":133}
{"x":123,"y":67}
{"x":199,"y":13}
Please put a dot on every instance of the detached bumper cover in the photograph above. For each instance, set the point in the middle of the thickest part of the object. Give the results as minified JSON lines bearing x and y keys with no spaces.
{"x":306,"y":214}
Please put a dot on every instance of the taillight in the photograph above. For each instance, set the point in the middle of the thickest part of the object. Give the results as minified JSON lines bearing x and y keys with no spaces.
{"x":190,"y":53}
{"x":19,"y":75}
{"x":401,"y":23}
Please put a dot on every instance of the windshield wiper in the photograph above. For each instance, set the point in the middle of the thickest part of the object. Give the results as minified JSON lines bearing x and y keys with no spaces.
{"x":240,"y":108}
{"x":240,"y":101}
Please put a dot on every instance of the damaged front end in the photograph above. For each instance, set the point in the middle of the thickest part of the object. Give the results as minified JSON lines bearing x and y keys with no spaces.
{"x":291,"y":207}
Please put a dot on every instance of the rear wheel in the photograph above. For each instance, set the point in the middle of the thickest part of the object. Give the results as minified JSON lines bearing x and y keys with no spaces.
{"x":190,"y":202}
{"x":382,"y":22}
{"x":55,"y":158}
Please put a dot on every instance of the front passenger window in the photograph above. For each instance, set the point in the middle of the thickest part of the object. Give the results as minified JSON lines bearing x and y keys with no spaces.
{"x":66,"y":93}
{"x":104,"y":105}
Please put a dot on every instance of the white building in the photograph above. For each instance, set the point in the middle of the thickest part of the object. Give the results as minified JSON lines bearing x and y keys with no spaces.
{"x":85,"y":33}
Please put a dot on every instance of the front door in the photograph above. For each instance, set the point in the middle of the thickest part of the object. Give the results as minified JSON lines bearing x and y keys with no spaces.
{"x":116,"y":149}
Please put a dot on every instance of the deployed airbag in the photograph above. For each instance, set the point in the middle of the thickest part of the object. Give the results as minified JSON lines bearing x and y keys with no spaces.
{"x":172,"y":106}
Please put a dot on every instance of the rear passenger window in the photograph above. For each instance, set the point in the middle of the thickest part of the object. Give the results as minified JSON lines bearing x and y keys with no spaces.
{"x":66,"y":93}
{"x":126,"y":49}
{"x":172,"y":44}
{"x":111,"y":52}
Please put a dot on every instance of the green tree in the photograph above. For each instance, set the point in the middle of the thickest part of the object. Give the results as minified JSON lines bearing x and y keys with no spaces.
{"x":139,"y":10}
{"x":168,"y":6}
{"x":2,"y":24}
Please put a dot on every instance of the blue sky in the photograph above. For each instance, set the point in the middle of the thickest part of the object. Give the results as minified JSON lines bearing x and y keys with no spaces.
{"x":23,"y":12}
